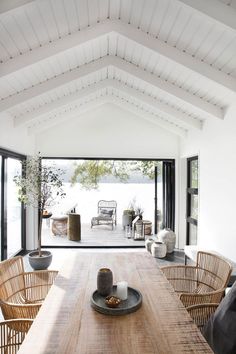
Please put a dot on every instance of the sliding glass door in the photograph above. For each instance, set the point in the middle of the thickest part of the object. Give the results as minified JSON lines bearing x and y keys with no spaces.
{"x":12,"y":219}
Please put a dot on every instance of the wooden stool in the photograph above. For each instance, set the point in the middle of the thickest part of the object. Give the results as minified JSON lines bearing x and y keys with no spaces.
{"x":59,"y":225}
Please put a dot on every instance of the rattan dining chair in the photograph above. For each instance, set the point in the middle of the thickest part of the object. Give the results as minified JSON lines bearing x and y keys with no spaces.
{"x":12,"y":334}
{"x":22,"y":293}
{"x":203,"y":283}
{"x":201,"y":313}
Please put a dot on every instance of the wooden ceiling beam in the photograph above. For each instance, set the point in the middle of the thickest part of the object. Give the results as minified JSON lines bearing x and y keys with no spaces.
{"x":199,"y":105}
{"x":167,"y":111}
{"x":47,"y":124}
{"x":137,"y":35}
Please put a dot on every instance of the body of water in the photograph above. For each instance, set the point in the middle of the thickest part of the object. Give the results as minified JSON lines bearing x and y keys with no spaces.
{"x":142,"y":194}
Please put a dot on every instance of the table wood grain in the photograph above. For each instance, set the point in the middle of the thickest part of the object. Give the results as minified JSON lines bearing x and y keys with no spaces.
{"x":68,"y":324}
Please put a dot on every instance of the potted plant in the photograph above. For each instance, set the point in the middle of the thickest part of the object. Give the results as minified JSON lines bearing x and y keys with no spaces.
{"x":39,"y":186}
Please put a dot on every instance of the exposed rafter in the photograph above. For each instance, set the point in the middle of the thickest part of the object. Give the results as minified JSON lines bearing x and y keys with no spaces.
{"x":199,"y":105}
{"x":130,"y":32}
{"x":165,"y":110}
{"x":44,"y":125}
{"x":59,"y":103}
{"x":216,"y":11}
{"x":53,"y":83}
{"x":8,"y":5}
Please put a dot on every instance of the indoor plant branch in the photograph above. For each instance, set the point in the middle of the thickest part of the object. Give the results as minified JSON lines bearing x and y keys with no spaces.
{"x":39,"y":186}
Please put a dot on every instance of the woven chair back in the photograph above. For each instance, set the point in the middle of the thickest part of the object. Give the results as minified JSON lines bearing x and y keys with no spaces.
{"x":12,"y":334}
{"x":12,"y":284}
{"x":213,"y":272}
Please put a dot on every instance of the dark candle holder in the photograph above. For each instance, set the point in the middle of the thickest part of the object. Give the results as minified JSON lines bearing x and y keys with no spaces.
{"x":104,"y":281}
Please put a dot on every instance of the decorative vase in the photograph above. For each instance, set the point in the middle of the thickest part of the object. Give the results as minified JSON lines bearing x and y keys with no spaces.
{"x":104,"y":281}
{"x":169,"y":238}
{"x":158,"y":249}
{"x":148,"y":243}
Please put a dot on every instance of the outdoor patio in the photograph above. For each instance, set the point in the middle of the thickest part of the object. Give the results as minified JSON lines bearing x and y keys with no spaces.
{"x":98,"y":236}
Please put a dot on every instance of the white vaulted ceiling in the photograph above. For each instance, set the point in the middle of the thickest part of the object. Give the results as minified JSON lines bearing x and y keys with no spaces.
{"x":172,"y":62}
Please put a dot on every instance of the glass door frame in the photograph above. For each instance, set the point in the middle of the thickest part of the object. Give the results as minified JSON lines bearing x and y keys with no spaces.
{"x":173,"y":164}
{"x":190,"y":192}
{"x":5,"y":154}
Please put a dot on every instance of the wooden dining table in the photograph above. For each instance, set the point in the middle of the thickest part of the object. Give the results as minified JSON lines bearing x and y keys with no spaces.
{"x":67,"y":324}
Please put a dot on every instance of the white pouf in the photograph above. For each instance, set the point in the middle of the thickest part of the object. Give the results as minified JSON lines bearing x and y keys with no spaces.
{"x":158,"y":249}
{"x":169,"y":238}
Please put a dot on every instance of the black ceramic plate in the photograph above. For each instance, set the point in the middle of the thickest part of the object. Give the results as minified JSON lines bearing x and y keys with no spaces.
{"x":133,"y":302}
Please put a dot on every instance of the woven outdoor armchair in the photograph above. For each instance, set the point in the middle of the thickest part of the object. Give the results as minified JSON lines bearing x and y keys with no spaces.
{"x":12,"y":334}
{"x":22,"y":293}
{"x":201,"y":313}
{"x":203,"y":283}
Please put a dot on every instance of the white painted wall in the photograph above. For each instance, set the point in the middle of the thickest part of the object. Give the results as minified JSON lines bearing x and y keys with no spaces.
{"x":15,"y":138}
{"x":108,"y":131}
{"x":216,"y":147}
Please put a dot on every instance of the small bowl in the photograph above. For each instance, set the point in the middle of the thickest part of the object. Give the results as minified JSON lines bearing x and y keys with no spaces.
{"x":112,"y":301}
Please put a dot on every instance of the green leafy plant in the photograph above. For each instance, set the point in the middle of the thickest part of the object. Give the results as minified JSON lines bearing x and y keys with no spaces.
{"x":90,"y":172}
{"x":39,"y":186}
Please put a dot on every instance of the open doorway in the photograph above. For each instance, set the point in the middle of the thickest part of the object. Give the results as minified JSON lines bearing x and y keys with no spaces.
{"x":130,"y":183}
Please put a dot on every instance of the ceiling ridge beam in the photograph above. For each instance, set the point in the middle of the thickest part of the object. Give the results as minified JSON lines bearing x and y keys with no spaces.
{"x":215,"y":11}
{"x":201,"y":106}
{"x":165,"y":109}
{"x":100,"y":101}
{"x":126,"y":30}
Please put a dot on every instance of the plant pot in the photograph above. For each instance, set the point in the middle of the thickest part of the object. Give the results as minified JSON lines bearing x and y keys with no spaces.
{"x":40,"y":263}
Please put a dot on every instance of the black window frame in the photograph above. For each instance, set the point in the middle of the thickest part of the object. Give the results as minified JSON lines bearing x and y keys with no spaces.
{"x":5,"y":154}
{"x":189,"y":192}
{"x":167,"y":160}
